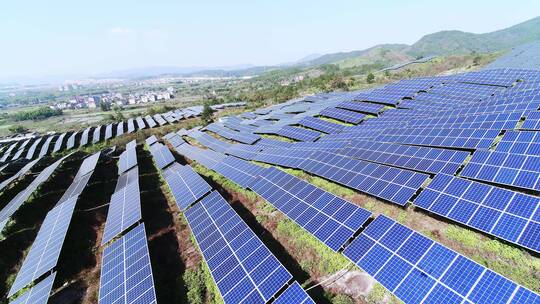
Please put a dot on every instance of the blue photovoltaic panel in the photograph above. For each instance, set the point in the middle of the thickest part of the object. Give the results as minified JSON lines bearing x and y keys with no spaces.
{"x":32,"y":150}
{"x":140,"y":123}
{"x":108,"y":131}
{"x":419,"y":270}
{"x":329,"y":218}
{"x":243,"y":268}
{"x":242,"y":137}
{"x":162,"y":155}
{"x":45,"y":250}
{"x":297,"y":133}
{"x":365,"y":107}
{"x":127,"y":160}
{"x":96,"y":134}
{"x":159,"y":119}
{"x":509,"y":215}
{"x":518,"y":170}
{"x":151,"y":140}
{"x":389,"y":183}
{"x":343,"y":115}
{"x":58,"y":143}
{"x":207,"y":158}
{"x":243,"y":151}
{"x":130,"y":125}
{"x":294,"y":294}
{"x":320,"y":125}
{"x":131,"y":145}
{"x":284,"y":157}
{"x":186,"y":185}
{"x":71,"y":141}
{"x":151,"y":123}
{"x":38,"y":294}
{"x":124,"y":211}
{"x":88,"y":165}
{"x":431,"y":160}
{"x":532,"y":122}
{"x":84,"y":137}
{"x":120,"y":128}
{"x":455,"y":138}
{"x":210,"y":141}
{"x":126,"y":272}
{"x":127,"y":178}
{"x":175,"y":140}
{"x":25,"y":169}
{"x":520,"y":143}
{"x":46,"y":145}
{"x":239,"y":171}
{"x":496,"y":121}
{"x":272,"y":143}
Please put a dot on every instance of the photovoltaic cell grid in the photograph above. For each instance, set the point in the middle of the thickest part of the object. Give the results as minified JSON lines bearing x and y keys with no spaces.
{"x":45,"y":250}
{"x":520,"y":143}
{"x":58,"y":143}
{"x":159,"y":119}
{"x":162,"y":155}
{"x":124,"y":211}
{"x":320,"y":125}
{"x":151,"y":140}
{"x":497,"y":121}
{"x":509,"y":215}
{"x":150,"y":121}
{"x":207,"y":158}
{"x":365,"y":107}
{"x":88,"y":165}
{"x":294,"y":294}
{"x":297,"y":133}
{"x":210,"y":141}
{"x":186,"y":185}
{"x":108,"y":131}
{"x":127,"y":160}
{"x":38,"y":294}
{"x":140,"y":123}
{"x":239,"y":171}
{"x":343,"y":115}
{"x":455,"y":138}
{"x":419,"y":270}
{"x":126,"y":272}
{"x":244,"y":270}
{"x":46,"y":145}
{"x":120,"y":128}
{"x":175,"y":140}
{"x":71,"y":140}
{"x":25,"y":169}
{"x":290,"y":158}
{"x":430,"y":160}
{"x":242,"y":137}
{"x":392,"y":184}
{"x":518,"y":170}
{"x":130,"y":125}
{"x":329,"y":218}
{"x":532,"y":122}
{"x":243,"y":151}
{"x":32,"y":150}
{"x":131,"y":145}
{"x":127,"y":178}
{"x":96,"y":134}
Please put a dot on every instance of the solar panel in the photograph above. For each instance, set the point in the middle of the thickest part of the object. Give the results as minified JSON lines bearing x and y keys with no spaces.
{"x":38,"y":294}
{"x":207,"y":158}
{"x":517,"y":170}
{"x":520,"y":143}
{"x":159,"y":119}
{"x":88,"y":165}
{"x":455,"y":138}
{"x":162,"y":155}
{"x":126,"y":271}
{"x":45,"y":147}
{"x":32,"y":150}
{"x":175,"y":140}
{"x":243,"y":151}
{"x":392,"y":184}
{"x":210,"y":141}
{"x":431,"y":160}
{"x":140,"y":123}
{"x":127,"y":160}
{"x":242,"y":137}
{"x":108,"y":131}
{"x":186,"y":185}
{"x":151,"y":123}
{"x":320,"y":125}
{"x":297,"y":133}
{"x":499,"y":121}
{"x":76,"y":188}
{"x":239,"y":171}
{"x":532,"y":122}
{"x":22,"y":196}
{"x":45,"y":250}
{"x":294,"y":294}
{"x":120,"y":128}
{"x":71,"y":140}
{"x":25,"y":169}
{"x":84,"y":137}
{"x":290,"y":158}
{"x":8,"y":152}
{"x":244,"y":270}
{"x":343,"y":115}
{"x":96,"y":135}
{"x":130,"y":125}
{"x":329,"y":218}
{"x":151,"y":140}
{"x":506,"y":214}
{"x":131,"y":145}
{"x":419,"y":270}
{"x":127,"y":178}
{"x":124,"y":211}
{"x":272,"y":143}
{"x":365,"y":107}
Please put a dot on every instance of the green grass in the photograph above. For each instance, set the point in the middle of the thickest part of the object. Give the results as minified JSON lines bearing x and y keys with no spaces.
{"x":277,"y":137}
{"x":338,"y":122}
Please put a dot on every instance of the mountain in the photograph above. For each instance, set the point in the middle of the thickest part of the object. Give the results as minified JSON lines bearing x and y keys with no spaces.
{"x":458,"y":42}
{"x":168,"y":70}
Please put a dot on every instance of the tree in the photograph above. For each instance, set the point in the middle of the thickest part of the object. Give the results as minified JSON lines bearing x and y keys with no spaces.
{"x":105,"y":106}
{"x":207,"y":114}
{"x":370,"y":78}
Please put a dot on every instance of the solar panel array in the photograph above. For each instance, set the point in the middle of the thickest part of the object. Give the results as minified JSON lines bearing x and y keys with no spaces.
{"x":162,"y":155}
{"x":127,"y":160}
{"x":126,"y":272}
{"x":38,"y":294}
{"x":419,"y":270}
{"x":294,"y":294}
{"x":241,"y":172}
{"x":320,"y":125}
{"x":24,"y":170}
{"x":186,"y":185}
{"x":343,"y":115}
{"x":517,"y":142}
{"x":506,"y":214}
{"x":329,"y":218}
{"x":244,"y":270}
{"x":45,"y":250}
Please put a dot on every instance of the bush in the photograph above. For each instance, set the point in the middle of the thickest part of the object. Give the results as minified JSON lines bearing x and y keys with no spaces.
{"x":17,"y":129}
{"x":36,"y":114}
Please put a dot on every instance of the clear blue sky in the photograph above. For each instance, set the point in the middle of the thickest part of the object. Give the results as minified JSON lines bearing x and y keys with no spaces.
{"x":86,"y":37}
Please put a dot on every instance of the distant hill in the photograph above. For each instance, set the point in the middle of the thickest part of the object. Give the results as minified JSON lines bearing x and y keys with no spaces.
{"x":457,"y":42}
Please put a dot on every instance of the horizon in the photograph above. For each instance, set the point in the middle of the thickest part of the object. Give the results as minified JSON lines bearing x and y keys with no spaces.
{"x":63,"y":39}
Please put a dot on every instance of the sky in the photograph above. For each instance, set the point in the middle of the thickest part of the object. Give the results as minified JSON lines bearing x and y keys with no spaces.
{"x":66,"y":37}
